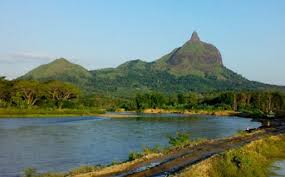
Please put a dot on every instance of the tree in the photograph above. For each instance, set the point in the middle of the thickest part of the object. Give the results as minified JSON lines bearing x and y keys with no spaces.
{"x":29,"y":91}
{"x":5,"y":95}
{"x":61,"y":92}
{"x":180,"y":98}
{"x":5,"y":86}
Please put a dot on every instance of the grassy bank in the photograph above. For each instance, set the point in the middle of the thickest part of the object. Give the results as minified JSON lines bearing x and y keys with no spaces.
{"x":253,"y":159}
{"x":39,"y":112}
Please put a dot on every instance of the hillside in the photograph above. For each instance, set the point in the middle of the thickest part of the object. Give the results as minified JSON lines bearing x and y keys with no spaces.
{"x":195,"y":66}
{"x":193,"y":58}
{"x":60,"y":69}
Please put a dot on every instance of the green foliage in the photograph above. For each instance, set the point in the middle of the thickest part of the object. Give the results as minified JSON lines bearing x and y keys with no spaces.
{"x":151,"y":150}
{"x":47,"y":112}
{"x":30,"y":172}
{"x":27,"y":94}
{"x":146,"y":151}
{"x":250,"y":161}
{"x":135,"y":155}
{"x":251,"y":103}
{"x":60,"y":92}
{"x":138,"y":76}
{"x":180,"y":139}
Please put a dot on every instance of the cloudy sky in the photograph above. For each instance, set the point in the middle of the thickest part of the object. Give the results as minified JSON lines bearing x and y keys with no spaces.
{"x":105,"y":33}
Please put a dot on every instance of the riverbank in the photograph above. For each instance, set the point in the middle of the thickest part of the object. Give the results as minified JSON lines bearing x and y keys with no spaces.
{"x":236,"y":151}
{"x":127,"y":114}
{"x":266,"y":142}
{"x":42,"y":113}
{"x":254,"y":159}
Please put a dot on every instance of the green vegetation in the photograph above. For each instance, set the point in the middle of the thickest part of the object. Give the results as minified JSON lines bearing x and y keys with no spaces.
{"x":253,"y":159}
{"x":60,"y":69}
{"x":52,"y":98}
{"x":23,"y":98}
{"x":31,"y":172}
{"x":146,"y":151}
{"x":253,"y":103}
{"x":180,"y":139}
{"x":48,"y":112}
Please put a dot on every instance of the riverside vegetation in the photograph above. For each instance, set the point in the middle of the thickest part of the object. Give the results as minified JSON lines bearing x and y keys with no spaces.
{"x":250,"y":160}
{"x":34,"y":98}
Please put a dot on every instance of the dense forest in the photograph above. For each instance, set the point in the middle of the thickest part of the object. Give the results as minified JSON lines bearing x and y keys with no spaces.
{"x":255,"y":102}
{"x":23,"y":94}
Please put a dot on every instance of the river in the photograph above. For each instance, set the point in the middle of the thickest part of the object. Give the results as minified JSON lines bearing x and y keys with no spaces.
{"x":59,"y":144}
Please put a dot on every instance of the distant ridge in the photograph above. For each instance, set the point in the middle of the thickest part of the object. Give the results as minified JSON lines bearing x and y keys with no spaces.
{"x":195,"y":66}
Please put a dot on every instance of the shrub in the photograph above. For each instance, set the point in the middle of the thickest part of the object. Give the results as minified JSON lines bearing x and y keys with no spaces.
{"x":180,"y":139}
{"x":30,"y":172}
{"x":135,"y":155}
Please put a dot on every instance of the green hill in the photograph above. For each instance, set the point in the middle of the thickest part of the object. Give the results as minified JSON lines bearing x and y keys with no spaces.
{"x":196,"y":66}
{"x":60,"y":69}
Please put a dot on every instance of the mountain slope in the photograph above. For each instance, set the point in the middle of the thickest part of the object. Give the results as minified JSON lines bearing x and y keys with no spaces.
{"x":59,"y":69}
{"x":195,"y":66}
{"x":194,"y":57}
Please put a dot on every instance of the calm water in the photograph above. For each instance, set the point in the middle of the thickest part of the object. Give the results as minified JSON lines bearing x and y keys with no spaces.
{"x":279,"y":168}
{"x":58,"y":144}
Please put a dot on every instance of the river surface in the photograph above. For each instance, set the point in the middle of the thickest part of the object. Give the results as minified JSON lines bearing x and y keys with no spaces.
{"x":279,"y":168}
{"x":59,"y":144}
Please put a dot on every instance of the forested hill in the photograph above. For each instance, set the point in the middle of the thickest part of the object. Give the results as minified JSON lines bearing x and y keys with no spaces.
{"x":195,"y":66}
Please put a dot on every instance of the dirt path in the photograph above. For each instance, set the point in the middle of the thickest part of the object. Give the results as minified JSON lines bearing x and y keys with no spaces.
{"x":181,"y":158}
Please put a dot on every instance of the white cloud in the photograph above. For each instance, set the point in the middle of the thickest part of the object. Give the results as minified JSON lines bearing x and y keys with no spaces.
{"x":25,"y":57}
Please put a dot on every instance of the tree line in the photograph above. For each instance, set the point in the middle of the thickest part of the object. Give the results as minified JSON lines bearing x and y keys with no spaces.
{"x":264,"y":101}
{"x":57,"y":94}
{"x":29,"y":93}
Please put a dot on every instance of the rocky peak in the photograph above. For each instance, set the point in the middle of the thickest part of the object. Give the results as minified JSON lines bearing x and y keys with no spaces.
{"x":194,"y":37}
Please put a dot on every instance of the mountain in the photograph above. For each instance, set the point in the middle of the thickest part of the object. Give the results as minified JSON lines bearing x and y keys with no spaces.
{"x":60,"y":69}
{"x":195,"y":66}
{"x":194,"y":57}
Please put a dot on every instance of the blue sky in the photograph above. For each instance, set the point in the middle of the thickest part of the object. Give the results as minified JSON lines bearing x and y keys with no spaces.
{"x":106,"y":33}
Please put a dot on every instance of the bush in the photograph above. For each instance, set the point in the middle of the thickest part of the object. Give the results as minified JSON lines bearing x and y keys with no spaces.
{"x":149,"y":150}
{"x":30,"y":172}
{"x":135,"y":155}
{"x":180,"y":139}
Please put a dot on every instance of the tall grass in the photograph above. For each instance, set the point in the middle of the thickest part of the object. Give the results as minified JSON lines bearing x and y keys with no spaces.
{"x":42,"y":112}
{"x":251,"y":160}
{"x":31,"y":172}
